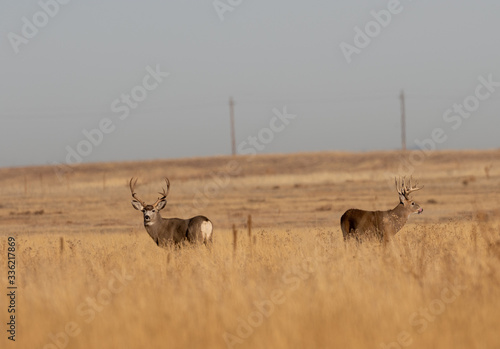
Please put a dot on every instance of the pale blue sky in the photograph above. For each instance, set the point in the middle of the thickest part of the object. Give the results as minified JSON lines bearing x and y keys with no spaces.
{"x":266,"y":55}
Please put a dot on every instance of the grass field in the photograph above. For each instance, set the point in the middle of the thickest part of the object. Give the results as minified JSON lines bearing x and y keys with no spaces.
{"x":89,"y":276}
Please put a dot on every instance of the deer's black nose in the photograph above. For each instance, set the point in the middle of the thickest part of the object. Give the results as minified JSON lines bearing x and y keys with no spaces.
{"x":146,"y":217}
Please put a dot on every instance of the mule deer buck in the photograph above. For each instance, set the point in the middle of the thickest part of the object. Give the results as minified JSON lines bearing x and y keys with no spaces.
{"x":165,"y":231}
{"x":381,"y":224}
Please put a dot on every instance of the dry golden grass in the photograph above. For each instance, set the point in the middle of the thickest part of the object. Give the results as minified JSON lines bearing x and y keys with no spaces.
{"x":89,"y":276}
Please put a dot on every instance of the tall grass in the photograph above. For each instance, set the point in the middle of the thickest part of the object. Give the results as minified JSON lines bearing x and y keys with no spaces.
{"x":435,"y":286}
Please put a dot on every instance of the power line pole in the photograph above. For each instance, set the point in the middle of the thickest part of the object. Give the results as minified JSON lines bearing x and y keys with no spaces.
{"x":403,"y":121}
{"x":231,"y":116}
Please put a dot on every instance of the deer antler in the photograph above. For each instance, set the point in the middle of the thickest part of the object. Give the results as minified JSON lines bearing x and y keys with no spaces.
{"x":404,"y":189}
{"x":163,"y":194}
{"x":133,"y":193}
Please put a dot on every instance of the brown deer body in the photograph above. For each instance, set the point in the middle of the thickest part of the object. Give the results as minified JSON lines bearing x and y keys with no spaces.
{"x":165,"y":231}
{"x":382,"y":225}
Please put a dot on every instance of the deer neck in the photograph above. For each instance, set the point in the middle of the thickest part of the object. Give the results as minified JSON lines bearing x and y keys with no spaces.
{"x":399,"y":216}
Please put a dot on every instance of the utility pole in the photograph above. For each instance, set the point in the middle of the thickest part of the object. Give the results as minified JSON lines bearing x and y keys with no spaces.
{"x":231,"y":116}
{"x":403,"y":121}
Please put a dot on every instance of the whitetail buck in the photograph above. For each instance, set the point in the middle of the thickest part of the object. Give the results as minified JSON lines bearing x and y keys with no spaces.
{"x":381,"y":224}
{"x":165,"y":231}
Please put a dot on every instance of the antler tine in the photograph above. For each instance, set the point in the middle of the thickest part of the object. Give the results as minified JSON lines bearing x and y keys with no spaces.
{"x":168,"y":186}
{"x":132,"y":191}
{"x":413,"y":188}
{"x":163,"y":194}
{"x":400,"y":185}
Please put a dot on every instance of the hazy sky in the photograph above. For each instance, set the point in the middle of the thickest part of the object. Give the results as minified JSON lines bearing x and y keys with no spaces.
{"x":125,"y":80}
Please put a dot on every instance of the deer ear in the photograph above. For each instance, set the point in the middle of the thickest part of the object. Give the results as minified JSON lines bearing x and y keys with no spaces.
{"x":161,"y":204}
{"x":137,"y":205}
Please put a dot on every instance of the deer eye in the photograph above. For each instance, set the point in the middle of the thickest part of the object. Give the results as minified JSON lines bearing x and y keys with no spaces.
{"x":412,"y":203}
{"x":154,"y":210}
